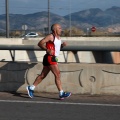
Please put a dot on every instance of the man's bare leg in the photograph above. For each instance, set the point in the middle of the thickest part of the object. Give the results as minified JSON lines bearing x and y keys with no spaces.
{"x":43,"y":74}
{"x":55,"y":70}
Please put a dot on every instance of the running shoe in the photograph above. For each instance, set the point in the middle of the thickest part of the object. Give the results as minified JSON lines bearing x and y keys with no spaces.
{"x":30,"y":92}
{"x":65,"y":95}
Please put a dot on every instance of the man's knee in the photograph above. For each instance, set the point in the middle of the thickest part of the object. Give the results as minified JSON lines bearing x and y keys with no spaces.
{"x":57,"y":75}
{"x":41,"y":76}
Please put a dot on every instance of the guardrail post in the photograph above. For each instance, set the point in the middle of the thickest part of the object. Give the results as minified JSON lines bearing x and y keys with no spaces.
{"x":12,"y":55}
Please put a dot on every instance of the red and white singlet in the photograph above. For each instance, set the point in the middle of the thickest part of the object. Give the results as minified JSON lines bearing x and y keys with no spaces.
{"x":54,"y":45}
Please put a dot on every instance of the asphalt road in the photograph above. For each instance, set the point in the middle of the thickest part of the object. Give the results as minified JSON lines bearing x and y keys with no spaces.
{"x":45,"y":106}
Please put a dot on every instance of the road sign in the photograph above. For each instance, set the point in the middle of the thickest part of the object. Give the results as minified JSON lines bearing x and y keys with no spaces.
{"x":93,"y":29}
{"x":24,"y":27}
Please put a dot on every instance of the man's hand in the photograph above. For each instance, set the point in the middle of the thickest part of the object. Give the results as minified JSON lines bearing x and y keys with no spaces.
{"x":63,"y":44}
{"x":50,"y":52}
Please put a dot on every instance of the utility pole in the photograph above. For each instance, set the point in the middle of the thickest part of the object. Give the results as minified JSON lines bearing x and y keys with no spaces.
{"x":7,"y":18}
{"x":48,"y":16}
{"x":70,"y":17}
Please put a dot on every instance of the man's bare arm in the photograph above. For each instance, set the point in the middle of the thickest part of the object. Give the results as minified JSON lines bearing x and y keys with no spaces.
{"x":42,"y":43}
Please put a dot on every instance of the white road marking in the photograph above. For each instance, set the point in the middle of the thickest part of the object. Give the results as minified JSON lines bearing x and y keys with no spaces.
{"x":61,"y":103}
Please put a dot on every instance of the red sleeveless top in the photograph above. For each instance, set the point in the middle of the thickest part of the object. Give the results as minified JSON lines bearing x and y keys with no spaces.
{"x":54,"y":45}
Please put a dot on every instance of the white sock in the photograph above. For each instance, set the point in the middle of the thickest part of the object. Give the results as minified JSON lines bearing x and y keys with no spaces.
{"x":32,"y":87}
{"x":61,"y":92}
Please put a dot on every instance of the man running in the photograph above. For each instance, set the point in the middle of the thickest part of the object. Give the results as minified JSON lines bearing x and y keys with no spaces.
{"x":52,"y":44}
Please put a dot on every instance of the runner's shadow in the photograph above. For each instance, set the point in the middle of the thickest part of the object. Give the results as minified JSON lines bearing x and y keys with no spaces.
{"x":13,"y":75}
{"x":25,"y":95}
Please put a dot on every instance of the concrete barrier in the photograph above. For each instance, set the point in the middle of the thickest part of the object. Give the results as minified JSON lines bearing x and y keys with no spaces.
{"x":82,"y":76}
{"x":77,"y":78}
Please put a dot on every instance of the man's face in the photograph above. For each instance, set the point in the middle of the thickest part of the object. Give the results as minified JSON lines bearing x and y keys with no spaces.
{"x":58,"y":29}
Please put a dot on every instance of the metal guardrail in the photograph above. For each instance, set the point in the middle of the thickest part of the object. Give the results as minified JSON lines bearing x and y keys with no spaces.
{"x":81,"y":47}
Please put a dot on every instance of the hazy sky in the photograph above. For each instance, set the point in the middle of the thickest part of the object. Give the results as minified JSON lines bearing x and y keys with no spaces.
{"x":61,"y":7}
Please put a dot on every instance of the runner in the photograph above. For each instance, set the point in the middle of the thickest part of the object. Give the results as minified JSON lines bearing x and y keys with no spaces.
{"x":52,"y":44}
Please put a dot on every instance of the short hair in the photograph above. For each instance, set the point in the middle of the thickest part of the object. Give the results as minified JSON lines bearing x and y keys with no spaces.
{"x":52,"y":27}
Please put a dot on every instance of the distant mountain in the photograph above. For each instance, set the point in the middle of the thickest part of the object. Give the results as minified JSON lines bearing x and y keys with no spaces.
{"x":35,"y":21}
{"x":114,"y":15}
{"x":81,"y":19}
{"x":97,"y":17}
